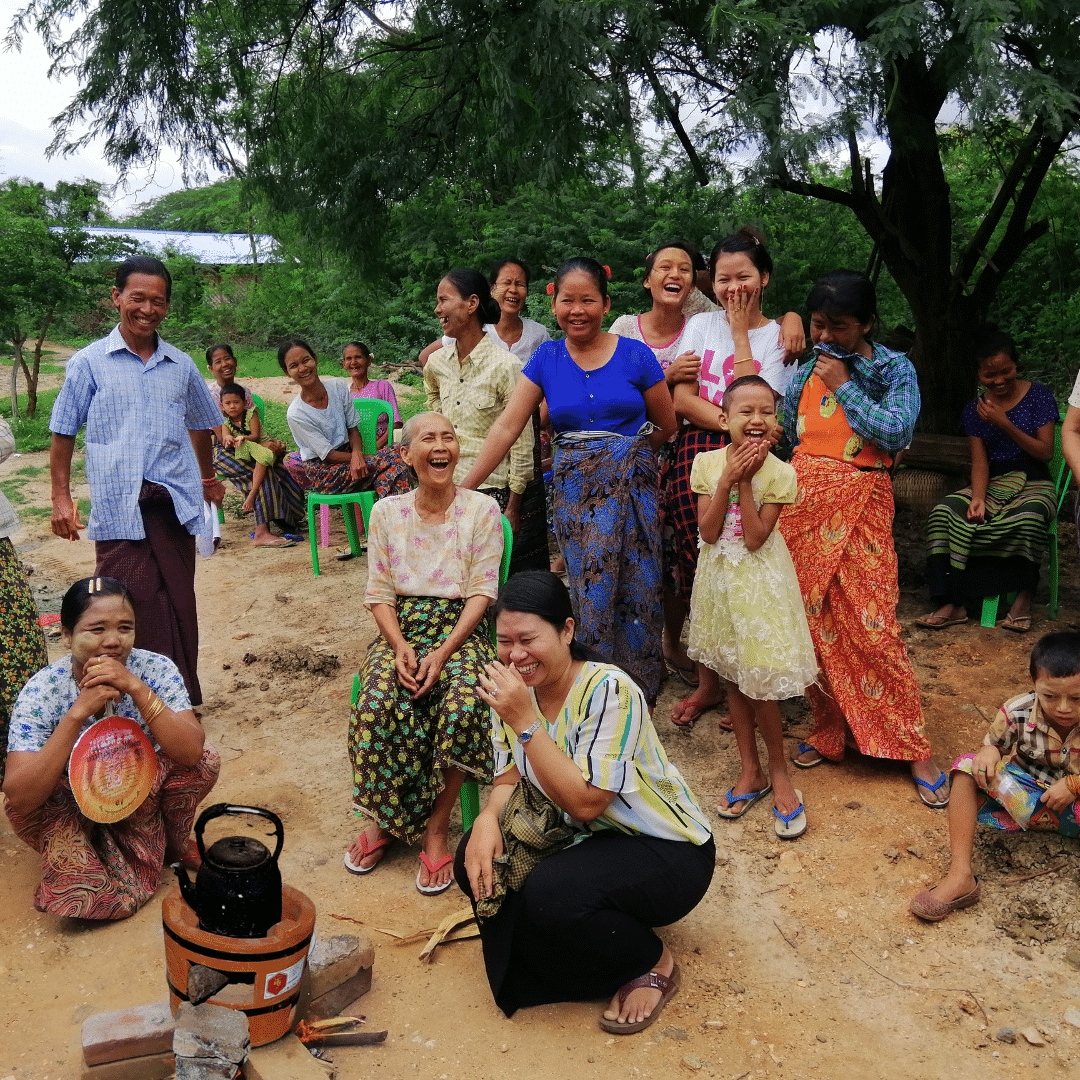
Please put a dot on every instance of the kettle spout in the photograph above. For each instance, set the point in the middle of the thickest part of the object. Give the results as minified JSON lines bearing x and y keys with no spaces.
{"x":187,"y":886}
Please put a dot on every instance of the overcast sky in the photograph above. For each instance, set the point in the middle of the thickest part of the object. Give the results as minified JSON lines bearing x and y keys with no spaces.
{"x":29,"y":100}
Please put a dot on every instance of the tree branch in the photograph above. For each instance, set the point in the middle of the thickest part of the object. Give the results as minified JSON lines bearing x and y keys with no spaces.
{"x":700,"y":172}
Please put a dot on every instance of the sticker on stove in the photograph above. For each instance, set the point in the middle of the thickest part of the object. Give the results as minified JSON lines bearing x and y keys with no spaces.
{"x":281,"y":982}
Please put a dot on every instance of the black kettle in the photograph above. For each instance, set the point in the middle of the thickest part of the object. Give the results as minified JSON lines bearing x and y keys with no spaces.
{"x":237,"y":891}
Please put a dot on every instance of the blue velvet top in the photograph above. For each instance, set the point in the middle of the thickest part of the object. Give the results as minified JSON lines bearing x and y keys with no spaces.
{"x":611,"y":398}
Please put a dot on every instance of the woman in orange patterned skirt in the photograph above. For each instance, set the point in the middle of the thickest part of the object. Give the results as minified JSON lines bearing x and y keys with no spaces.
{"x":847,"y":412}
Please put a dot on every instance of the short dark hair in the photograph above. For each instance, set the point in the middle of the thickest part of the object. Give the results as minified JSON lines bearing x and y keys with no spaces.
{"x":357,"y":345}
{"x":1056,"y":654}
{"x":587,"y":266}
{"x":498,"y":269}
{"x":143,"y":264}
{"x":292,"y":343}
{"x":220,"y":346}
{"x":84,"y":592}
{"x":235,"y":389}
{"x":473,"y":283}
{"x":844,"y":292}
{"x":542,"y":593}
{"x":697,"y":260}
{"x":990,"y":341}
{"x":741,"y":381}
{"x":748,"y":241}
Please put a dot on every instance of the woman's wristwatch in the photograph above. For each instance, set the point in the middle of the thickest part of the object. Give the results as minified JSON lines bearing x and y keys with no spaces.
{"x":529,"y":732}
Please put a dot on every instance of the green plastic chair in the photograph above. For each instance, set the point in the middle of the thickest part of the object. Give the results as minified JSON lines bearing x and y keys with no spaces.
{"x":1062,"y":475}
{"x":259,"y":408}
{"x":470,"y":790}
{"x":369,"y":409}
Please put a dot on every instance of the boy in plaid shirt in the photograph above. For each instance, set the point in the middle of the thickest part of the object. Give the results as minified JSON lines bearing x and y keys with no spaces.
{"x":1026,"y":775}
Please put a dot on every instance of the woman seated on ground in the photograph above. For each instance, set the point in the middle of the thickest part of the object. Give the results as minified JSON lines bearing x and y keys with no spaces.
{"x":989,"y":538}
{"x":277,"y":499}
{"x":91,"y":870}
{"x":419,"y":726}
{"x":628,"y":847}
{"x":324,"y":423}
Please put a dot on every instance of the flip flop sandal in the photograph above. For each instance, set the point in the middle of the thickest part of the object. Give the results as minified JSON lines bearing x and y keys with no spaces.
{"x":805,"y":748}
{"x":791,"y":826}
{"x":1020,"y":625}
{"x":683,"y":674}
{"x":926,"y":624}
{"x":930,"y":909}
{"x":433,"y":867}
{"x":366,"y":848}
{"x":747,"y":800}
{"x":666,"y":984}
{"x":920,"y":784}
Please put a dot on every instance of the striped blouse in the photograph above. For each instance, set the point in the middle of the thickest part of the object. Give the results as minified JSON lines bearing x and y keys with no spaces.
{"x":604,"y":727}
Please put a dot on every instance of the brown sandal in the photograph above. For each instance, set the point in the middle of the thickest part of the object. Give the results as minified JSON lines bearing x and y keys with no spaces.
{"x":652,"y":980}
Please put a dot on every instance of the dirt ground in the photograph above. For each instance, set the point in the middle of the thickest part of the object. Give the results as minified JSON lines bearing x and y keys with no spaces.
{"x":802,"y":961}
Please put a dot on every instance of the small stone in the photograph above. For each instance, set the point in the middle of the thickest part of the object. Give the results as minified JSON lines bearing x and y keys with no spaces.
{"x":853,"y":805}
{"x":916,"y":852}
{"x":505,"y":1048}
{"x":1023,"y":950}
{"x":1006,"y":1035}
{"x":1072,"y":957}
{"x":1033,"y":1037}
{"x":677,"y":1033}
{"x":821,"y":1038}
{"x":841,"y":914}
{"x":226,"y":667}
{"x":789,"y":861}
{"x":736,"y":987}
{"x":722,"y":858}
{"x":692,"y":1061}
{"x":899,"y":943}
{"x":891,"y":853}
{"x":1048,"y":1028}
{"x":716,"y":1025}
{"x":264,"y":686}
{"x":1072,"y":1016}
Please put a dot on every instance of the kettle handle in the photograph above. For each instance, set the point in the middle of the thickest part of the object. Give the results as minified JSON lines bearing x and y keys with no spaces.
{"x":218,"y":809}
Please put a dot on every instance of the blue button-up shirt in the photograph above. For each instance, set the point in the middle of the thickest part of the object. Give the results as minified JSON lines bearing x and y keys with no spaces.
{"x":880,"y":400}
{"x":137,"y":415}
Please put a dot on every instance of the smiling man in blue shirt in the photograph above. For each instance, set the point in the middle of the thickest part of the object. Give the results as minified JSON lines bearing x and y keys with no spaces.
{"x":149,"y":463}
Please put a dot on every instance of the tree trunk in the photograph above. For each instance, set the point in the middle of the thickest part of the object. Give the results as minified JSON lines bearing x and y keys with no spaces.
{"x":33,"y":374}
{"x":15,"y":389}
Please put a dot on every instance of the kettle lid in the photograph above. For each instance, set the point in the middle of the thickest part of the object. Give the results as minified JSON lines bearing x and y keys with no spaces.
{"x":237,"y":853}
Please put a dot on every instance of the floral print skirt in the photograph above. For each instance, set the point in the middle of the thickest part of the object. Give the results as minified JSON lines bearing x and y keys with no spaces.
{"x":22,"y":644}
{"x":400,"y":748}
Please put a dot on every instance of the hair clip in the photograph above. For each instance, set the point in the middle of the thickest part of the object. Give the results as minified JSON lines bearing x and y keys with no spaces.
{"x":551,"y":288}
{"x":607,"y":270}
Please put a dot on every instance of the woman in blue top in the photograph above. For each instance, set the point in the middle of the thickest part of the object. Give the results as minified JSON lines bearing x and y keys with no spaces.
{"x":611,"y":412}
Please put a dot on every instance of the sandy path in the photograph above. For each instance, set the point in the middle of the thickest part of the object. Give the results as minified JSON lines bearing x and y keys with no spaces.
{"x":776,"y":960}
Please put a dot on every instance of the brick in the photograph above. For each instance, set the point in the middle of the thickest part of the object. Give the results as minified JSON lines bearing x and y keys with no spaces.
{"x":286,"y":1059}
{"x":334,"y":1003}
{"x":144,"y":1067}
{"x":127,"y":1033}
{"x":334,"y":960}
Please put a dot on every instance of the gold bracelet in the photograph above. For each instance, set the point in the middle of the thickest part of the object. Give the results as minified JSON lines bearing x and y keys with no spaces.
{"x":745,"y":360}
{"x":154,"y":708}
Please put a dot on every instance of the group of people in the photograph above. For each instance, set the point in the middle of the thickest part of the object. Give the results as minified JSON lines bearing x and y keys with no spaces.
{"x":670,"y":496}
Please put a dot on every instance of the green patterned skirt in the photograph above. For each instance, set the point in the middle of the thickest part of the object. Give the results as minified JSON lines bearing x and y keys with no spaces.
{"x":22,"y":644}
{"x":400,"y":748}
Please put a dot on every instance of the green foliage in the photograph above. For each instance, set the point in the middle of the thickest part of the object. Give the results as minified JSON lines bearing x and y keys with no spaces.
{"x":32,"y":432}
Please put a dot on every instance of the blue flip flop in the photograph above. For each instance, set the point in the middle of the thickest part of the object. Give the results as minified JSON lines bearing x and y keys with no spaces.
{"x":942,"y":779}
{"x":805,"y":747}
{"x":791,"y":826}
{"x":747,"y":800}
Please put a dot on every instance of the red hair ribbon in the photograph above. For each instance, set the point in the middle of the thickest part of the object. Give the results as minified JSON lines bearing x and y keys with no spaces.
{"x":551,"y":288}
{"x":607,"y":270}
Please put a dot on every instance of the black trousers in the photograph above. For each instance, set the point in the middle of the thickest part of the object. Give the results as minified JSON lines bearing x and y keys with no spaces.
{"x":582,"y":925}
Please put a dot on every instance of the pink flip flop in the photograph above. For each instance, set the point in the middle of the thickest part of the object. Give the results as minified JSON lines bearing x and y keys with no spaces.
{"x":366,"y":848}
{"x":432,"y":868}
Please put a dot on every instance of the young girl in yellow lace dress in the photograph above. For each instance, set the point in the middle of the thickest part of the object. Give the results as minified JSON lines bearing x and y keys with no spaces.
{"x":747,"y":621}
